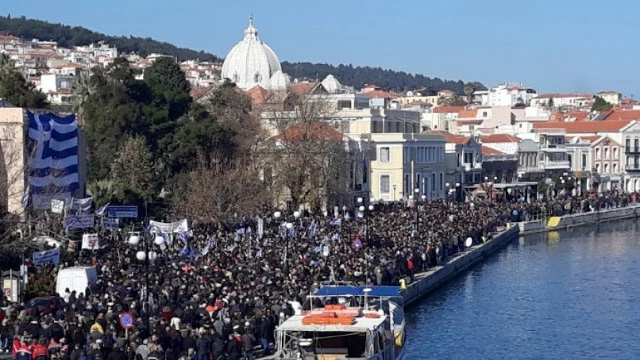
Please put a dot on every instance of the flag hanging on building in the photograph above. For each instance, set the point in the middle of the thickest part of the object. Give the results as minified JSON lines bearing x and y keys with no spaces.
{"x":53,"y":157}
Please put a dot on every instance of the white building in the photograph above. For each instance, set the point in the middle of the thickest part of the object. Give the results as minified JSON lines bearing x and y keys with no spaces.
{"x":505,"y":95}
{"x":562,"y":100}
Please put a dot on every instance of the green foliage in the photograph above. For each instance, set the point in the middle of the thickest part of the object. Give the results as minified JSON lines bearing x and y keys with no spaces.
{"x":42,"y":285}
{"x":132,"y":171}
{"x":15,"y":90}
{"x":142,"y":134}
{"x":550,"y":103}
{"x":102,"y":191}
{"x":68,"y":36}
{"x":601,"y":105}
{"x":358,"y":76}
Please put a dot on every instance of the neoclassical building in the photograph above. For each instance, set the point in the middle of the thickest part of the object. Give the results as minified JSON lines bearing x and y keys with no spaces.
{"x":253,"y":63}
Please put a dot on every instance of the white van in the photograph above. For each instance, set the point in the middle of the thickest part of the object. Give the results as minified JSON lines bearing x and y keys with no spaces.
{"x":76,"y":278}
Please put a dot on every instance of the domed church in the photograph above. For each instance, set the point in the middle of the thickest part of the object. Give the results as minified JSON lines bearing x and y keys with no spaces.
{"x":252,"y":63}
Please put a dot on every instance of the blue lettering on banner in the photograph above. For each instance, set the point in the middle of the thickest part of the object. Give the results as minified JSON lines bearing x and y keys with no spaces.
{"x":110,"y":223}
{"x":122,"y":211}
{"x":78,"y":221}
{"x":42,"y":258}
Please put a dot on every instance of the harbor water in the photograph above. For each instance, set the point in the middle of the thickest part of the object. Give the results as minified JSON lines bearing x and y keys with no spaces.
{"x":561,"y":295}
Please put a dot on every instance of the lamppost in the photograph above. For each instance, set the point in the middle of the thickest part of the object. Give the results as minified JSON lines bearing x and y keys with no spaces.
{"x":288,"y":226}
{"x":447,"y":185}
{"x":394,"y":193}
{"x":148,"y":257}
{"x":415,"y":206}
{"x":365,"y":246}
{"x":458,"y":195}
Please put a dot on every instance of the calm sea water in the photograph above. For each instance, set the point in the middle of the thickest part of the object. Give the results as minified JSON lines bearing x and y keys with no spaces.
{"x":562,"y":295}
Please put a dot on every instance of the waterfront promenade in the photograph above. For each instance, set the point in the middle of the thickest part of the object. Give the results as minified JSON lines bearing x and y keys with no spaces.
{"x":426,"y":282}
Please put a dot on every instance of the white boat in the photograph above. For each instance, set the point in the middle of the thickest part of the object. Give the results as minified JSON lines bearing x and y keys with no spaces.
{"x":351,"y":323}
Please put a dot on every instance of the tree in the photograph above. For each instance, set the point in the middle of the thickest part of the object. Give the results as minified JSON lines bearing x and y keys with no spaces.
{"x":220,"y":189}
{"x":15,"y":90}
{"x":308,"y":161}
{"x":102,"y":191}
{"x":599,"y":104}
{"x":550,"y":103}
{"x":133,"y":170}
{"x":469,"y":89}
{"x":166,"y":73}
{"x":451,"y":101}
{"x":82,"y":88}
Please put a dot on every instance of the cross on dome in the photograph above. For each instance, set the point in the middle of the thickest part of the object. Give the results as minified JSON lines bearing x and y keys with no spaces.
{"x":251,"y":32}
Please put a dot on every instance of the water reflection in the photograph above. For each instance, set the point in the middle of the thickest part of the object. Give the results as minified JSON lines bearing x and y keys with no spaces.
{"x":562,"y":295}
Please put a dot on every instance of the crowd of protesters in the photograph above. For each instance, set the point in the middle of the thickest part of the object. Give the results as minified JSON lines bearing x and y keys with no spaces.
{"x":220,"y":291}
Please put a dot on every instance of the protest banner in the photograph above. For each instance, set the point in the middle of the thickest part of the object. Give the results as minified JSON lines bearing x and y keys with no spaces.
{"x":90,"y":242}
{"x":47,"y":257}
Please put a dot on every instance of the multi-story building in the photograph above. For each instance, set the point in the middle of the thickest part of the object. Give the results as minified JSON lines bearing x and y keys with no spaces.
{"x":407,"y":165}
{"x":463,"y":157}
{"x":612,"y":97}
{"x":576,"y":101}
{"x":607,"y":157}
{"x":507,"y":94}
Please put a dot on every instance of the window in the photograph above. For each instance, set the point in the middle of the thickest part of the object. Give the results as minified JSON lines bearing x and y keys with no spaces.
{"x":384,"y":154}
{"x":606,"y":153}
{"x":597,"y":168}
{"x":384,"y":184}
{"x":418,"y":183}
{"x":606,"y":168}
{"x":441,"y":181}
{"x":615,"y":168}
{"x":256,"y":78}
{"x":484,"y":114}
{"x":584,"y":161}
{"x":615,"y":152}
{"x":598,"y":155}
{"x":405,"y":154}
{"x":628,"y":144}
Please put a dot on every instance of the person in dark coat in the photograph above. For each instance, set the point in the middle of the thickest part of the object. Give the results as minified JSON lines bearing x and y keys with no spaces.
{"x":233,"y":348}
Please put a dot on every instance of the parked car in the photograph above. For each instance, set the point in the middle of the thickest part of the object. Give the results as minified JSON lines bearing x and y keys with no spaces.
{"x":45,"y":304}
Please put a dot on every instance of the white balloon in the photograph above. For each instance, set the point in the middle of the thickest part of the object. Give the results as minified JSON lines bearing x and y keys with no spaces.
{"x":469,"y":242}
{"x":153,"y":256}
{"x":134,"y":240}
{"x":163,"y":247}
{"x":159,"y":240}
{"x":141,"y":255}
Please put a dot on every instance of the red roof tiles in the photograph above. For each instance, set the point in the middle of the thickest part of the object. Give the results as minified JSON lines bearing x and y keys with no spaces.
{"x":315,"y":130}
{"x":490,"y":151}
{"x":499,"y":138}
{"x":584,"y":126}
{"x":448,"y":109}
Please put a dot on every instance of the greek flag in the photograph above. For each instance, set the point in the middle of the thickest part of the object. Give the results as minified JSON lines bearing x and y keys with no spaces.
{"x":336,"y":222}
{"x":53,"y":149}
{"x":313,"y":229}
{"x":185,"y":235}
{"x":81,"y":206}
{"x":102,"y":209}
{"x":259,"y":254}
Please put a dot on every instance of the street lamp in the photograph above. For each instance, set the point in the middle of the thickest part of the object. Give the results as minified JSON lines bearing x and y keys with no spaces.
{"x":287,"y":226}
{"x":148,"y":257}
{"x":457,"y":191}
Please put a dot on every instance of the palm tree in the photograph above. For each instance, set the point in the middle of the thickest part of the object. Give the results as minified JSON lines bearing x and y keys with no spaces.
{"x":468,"y":91}
{"x":82,"y":89}
{"x":102,"y":191}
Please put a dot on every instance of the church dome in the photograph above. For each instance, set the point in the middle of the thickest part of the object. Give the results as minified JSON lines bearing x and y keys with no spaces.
{"x":251,"y":62}
{"x":279,"y":81}
{"x":331,"y":84}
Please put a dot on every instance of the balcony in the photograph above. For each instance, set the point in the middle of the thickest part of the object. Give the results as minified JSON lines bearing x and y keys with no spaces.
{"x":632,"y":149}
{"x":556,"y":164}
{"x":553,"y":147}
{"x":632,"y":167}
{"x":472,"y":167}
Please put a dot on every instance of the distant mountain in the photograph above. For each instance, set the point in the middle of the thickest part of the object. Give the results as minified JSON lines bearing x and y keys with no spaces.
{"x":388,"y":79}
{"x":68,"y":36}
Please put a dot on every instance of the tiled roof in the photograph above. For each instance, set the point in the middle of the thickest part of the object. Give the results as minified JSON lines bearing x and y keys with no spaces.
{"x":303,"y":88}
{"x":623,"y":114}
{"x":448,"y":109}
{"x":584,"y":126}
{"x":314,"y":131}
{"x":585,"y":138}
{"x":378,"y":94}
{"x":490,"y":151}
{"x":467,"y":113}
{"x":451,"y":138}
{"x":258,"y":94}
{"x":499,"y":138}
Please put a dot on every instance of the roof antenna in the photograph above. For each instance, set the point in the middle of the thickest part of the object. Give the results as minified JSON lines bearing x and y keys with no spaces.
{"x":251,"y":18}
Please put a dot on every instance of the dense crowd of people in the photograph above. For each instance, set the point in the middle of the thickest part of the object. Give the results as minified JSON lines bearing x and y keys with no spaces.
{"x":219,"y":291}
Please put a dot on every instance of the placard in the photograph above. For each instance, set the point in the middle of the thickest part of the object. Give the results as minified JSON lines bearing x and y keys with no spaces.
{"x":42,"y":258}
{"x":79,"y":221}
{"x":90,"y":242}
